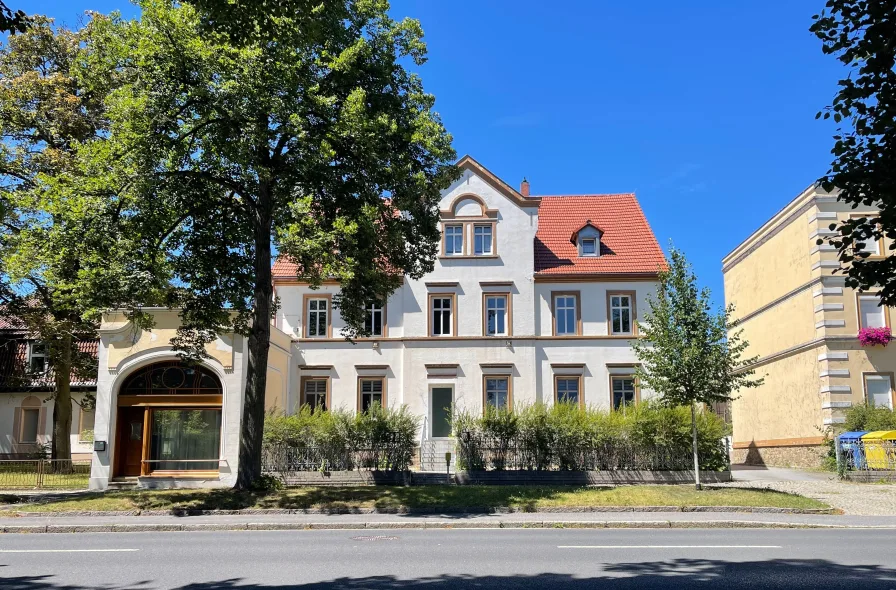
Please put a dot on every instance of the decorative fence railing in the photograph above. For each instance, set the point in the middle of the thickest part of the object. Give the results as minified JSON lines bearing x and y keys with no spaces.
{"x":44,"y":474}
{"x":289,"y":459}
{"x":486,"y":453}
{"x":860,"y":455}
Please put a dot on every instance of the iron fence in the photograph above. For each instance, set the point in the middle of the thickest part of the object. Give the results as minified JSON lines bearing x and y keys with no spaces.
{"x":44,"y":474}
{"x":281,"y":460}
{"x":476,"y":452}
{"x":861,"y":455}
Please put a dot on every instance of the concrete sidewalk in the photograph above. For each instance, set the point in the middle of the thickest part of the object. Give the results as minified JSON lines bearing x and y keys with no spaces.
{"x":69,"y":524}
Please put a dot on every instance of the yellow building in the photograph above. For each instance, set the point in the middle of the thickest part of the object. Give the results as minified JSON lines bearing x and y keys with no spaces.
{"x":802,"y":322}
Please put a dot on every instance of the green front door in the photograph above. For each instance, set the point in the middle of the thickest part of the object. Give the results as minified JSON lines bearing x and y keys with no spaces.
{"x":441,"y":400}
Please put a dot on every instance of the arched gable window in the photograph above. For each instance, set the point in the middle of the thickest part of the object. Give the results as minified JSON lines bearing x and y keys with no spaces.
{"x":172,"y":378}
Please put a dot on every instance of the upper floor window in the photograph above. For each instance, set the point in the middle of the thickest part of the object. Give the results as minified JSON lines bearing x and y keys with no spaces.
{"x":482,"y":240}
{"x":317,"y":317}
{"x":873,"y":246}
{"x":314,"y":393}
{"x":454,"y":240}
{"x":496,"y":316}
{"x":871,"y":313}
{"x":441,"y":314}
{"x":589,"y":246}
{"x":371,"y":393}
{"x":566,"y":318}
{"x":621,"y":307}
{"x":879,"y":389}
{"x":375,"y":321}
{"x":37,"y":357}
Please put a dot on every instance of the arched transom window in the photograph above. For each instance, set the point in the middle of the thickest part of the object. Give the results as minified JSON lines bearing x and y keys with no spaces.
{"x":172,"y":378}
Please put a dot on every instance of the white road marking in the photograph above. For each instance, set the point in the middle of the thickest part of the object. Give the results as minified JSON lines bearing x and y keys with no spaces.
{"x":669,"y":547}
{"x":67,"y":550}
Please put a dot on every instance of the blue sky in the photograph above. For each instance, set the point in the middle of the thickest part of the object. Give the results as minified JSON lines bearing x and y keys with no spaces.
{"x":705,"y":109}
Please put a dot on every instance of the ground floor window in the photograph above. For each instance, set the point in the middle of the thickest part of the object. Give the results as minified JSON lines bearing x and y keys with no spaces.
{"x":85,"y":426}
{"x":625,"y":392}
{"x":372,"y":393}
{"x":497,"y":392}
{"x":567,"y":390}
{"x":314,"y":393}
{"x":185,"y":440}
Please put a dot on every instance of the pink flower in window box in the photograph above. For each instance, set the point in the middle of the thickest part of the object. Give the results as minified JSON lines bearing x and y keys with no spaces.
{"x":875,"y":336}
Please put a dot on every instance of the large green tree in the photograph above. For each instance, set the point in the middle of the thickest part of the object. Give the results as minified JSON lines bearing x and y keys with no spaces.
{"x":862,"y":35}
{"x":60,"y":260}
{"x":307,"y":134}
{"x":690,"y":354}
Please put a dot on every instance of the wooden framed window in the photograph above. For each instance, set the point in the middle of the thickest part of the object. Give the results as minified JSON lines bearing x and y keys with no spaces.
{"x":316,"y":392}
{"x":874,"y":247}
{"x":496,"y":392}
{"x":566,"y":312}
{"x":871,"y":313}
{"x":371,"y":392}
{"x":624,"y":392}
{"x":483,"y":239}
{"x":453,"y":244}
{"x":568,"y":390}
{"x":496,"y":314}
{"x":879,"y":389}
{"x":318,"y":316}
{"x":375,"y":323}
{"x":29,"y":421}
{"x":86,"y":421}
{"x":621,"y":312}
{"x":442,"y":315}
{"x":37,"y":357}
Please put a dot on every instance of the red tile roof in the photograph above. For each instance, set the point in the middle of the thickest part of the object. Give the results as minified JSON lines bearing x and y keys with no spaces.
{"x":628,"y":245}
{"x":284,"y":269}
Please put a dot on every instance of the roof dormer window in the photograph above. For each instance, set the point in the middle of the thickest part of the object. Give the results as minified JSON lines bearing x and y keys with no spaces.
{"x":587,"y":239}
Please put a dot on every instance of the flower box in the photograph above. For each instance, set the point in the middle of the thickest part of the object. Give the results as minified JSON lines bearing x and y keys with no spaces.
{"x":875,"y":336}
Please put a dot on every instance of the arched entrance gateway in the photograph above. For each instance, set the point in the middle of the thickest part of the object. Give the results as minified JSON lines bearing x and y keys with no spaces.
{"x":169,"y":421}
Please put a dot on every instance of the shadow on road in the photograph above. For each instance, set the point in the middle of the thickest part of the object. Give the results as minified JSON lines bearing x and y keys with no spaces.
{"x":678,"y":573}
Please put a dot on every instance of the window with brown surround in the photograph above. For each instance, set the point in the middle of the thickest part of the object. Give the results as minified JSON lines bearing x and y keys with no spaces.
{"x":86,"y":421}
{"x":442,"y":314}
{"x":375,"y":322}
{"x":318,"y":315}
{"x":621,"y":313}
{"x":316,"y":392}
{"x":453,"y":239}
{"x":29,"y":421}
{"x":624,"y":392}
{"x":879,"y":389}
{"x":568,"y":390}
{"x":871,"y":313}
{"x":566,"y":313}
{"x":483,"y":239}
{"x":497,"y":392}
{"x":496,"y":314}
{"x":371,"y":392}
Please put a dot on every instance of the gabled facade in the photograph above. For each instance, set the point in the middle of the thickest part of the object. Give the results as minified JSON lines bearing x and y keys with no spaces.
{"x":518,"y":309}
{"x":802,"y":321}
{"x":26,"y":404}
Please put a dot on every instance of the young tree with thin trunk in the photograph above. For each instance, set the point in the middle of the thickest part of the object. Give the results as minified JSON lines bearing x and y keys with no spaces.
{"x":689,"y":354}
{"x":299,"y":130}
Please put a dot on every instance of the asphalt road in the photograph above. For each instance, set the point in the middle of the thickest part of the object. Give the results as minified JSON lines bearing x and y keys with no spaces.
{"x":447,"y":559}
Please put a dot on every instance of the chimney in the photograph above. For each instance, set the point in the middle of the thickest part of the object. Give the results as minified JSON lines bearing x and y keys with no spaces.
{"x":524,"y":188}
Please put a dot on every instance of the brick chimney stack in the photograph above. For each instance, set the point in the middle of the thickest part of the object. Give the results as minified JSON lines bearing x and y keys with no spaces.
{"x":524,"y":188}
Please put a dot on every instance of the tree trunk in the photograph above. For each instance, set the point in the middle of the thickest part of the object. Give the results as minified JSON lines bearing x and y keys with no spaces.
{"x":252,"y":424}
{"x":694,"y":445}
{"x":61,"y":445}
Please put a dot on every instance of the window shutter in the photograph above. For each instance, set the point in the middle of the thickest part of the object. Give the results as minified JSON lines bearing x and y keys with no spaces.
{"x":17,"y":425}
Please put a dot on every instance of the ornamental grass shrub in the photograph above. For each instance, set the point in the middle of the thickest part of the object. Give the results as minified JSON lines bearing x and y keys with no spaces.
{"x":568,"y":438}
{"x":340,"y":439}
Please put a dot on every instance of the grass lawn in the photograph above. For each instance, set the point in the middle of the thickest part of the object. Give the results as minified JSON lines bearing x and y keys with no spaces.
{"x":429,"y":497}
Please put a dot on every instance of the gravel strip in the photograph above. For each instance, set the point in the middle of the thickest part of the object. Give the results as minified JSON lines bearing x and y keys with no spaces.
{"x":852,"y":498}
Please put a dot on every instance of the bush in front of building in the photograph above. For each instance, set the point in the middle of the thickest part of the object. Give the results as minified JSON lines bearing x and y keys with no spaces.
{"x":861,"y":417}
{"x":565,"y":437}
{"x":340,"y":440}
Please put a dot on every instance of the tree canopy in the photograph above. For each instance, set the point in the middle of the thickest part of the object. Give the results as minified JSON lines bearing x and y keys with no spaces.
{"x":315,"y":141}
{"x":862,"y":35}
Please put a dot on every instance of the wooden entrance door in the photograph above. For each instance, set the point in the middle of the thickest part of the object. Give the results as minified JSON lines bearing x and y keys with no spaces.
{"x":130,"y":441}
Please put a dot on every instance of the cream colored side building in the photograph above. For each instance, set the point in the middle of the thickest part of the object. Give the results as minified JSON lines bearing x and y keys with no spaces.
{"x":802,"y":322}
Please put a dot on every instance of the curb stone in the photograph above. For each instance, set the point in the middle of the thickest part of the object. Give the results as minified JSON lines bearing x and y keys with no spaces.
{"x":547,"y":524}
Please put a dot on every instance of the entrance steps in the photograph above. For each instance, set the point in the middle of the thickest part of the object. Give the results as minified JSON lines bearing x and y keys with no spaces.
{"x":123,"y":483}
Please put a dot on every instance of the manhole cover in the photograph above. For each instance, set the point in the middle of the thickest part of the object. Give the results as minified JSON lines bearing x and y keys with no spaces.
{"x":375,"y":538}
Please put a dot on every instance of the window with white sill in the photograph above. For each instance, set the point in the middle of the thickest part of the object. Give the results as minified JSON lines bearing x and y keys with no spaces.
{"x":871,"y":313}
